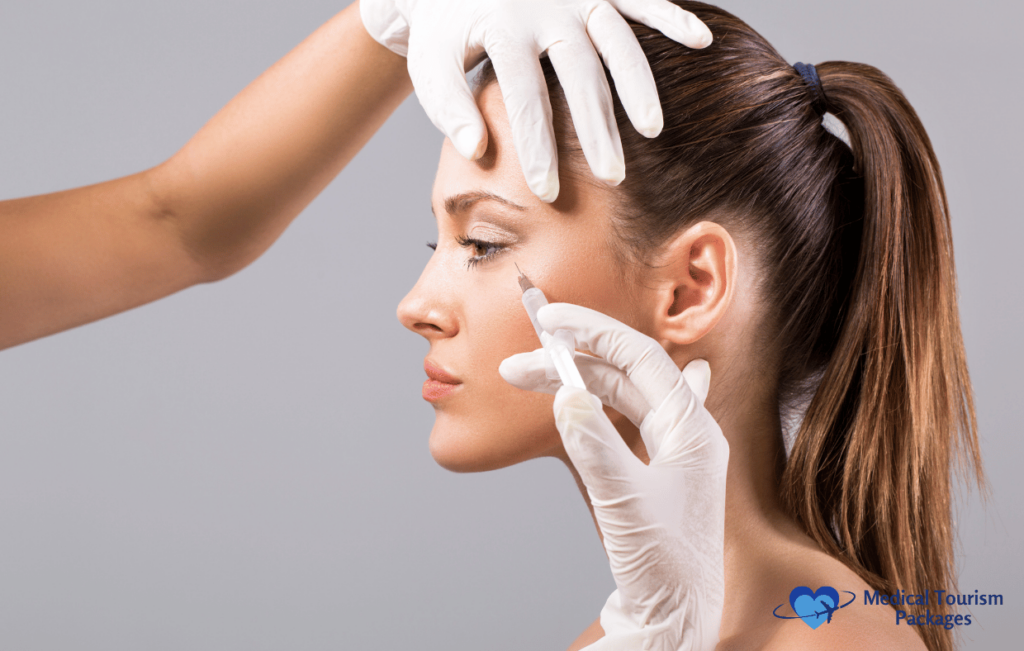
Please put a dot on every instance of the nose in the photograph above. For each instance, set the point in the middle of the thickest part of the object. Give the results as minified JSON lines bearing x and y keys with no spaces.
{"x":427,"y":312}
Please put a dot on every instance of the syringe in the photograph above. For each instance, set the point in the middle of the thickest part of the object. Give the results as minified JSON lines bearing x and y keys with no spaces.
{"x":560,"y":347}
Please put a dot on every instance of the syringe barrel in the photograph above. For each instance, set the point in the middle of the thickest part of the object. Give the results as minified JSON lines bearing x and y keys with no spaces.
{"x":533,"y":300}
{"x":563,"y":351}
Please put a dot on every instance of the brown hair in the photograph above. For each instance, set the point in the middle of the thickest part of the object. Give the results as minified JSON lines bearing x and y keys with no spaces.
{"x":860,"y":275}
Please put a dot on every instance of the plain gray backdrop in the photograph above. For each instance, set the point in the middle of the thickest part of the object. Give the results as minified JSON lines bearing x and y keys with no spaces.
{"x":244,"y":465}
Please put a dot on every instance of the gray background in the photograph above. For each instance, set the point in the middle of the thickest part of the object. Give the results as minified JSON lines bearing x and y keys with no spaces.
{"x":244,"y":465}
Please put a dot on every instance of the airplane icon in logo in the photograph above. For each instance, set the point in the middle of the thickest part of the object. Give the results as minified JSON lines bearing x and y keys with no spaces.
{"x":828,"y":611}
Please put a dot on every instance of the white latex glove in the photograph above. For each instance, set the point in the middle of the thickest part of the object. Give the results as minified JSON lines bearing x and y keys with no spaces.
{"x":663,"y":524}
{"x":443,"y":39}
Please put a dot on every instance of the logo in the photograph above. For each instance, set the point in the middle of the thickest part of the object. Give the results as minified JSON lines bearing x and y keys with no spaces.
{"x":814,"y":607}
{"x":901,"y":600}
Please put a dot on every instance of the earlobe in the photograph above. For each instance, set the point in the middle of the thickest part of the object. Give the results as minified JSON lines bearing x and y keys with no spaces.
{"x":696,"y":277}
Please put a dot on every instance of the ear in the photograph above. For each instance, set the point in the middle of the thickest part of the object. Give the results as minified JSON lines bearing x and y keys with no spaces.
{"x":696,"y":276}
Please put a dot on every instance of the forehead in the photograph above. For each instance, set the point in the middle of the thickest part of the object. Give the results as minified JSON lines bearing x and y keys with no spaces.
{"x":499,"y":172}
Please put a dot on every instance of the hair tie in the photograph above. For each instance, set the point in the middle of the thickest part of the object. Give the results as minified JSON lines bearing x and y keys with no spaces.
{"x":810,"y":75}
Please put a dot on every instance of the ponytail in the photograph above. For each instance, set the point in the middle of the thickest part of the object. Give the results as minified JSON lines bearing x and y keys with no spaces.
{"x":869,"y":475}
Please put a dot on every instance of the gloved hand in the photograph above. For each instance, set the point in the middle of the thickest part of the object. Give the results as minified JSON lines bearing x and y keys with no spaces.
{"x":663,"y":524}
{"x":444,"y":38}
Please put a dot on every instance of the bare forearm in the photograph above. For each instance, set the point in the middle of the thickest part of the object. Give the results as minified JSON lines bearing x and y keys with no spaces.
{"x":73,"y":257}
{"x":240,"y":181}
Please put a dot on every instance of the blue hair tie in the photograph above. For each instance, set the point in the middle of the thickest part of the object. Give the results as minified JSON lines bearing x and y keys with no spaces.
{"x":810,"y":75}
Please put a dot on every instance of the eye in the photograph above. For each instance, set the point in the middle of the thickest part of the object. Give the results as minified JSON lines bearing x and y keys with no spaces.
{"x":432,"y":245}
{"x":485,"y":250}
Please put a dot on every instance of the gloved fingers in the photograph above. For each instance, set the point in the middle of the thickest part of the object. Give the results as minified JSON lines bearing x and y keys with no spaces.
{"x":605,"y":463}
{"x":669,"y":19}
{"x":695,"y":381}
{"x":586,"y":89}
{"x":439,"y":78}
{"x":698,"y":377}
{"x":609,"y":384}
{"x":521,"y":79}
{"x":634,"y":81}
{"x":642,"y":358}
{"x":684,"y":433}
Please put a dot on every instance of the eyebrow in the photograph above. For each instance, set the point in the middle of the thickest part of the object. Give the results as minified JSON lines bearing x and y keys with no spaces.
{"x":458,"y":203}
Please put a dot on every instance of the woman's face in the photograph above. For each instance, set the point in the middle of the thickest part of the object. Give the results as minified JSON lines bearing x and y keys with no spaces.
{"x":467,"y":302}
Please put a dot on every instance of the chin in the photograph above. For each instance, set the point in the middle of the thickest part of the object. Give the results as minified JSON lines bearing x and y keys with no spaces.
{"x":479,"y":447}
{"x":456,"y":455}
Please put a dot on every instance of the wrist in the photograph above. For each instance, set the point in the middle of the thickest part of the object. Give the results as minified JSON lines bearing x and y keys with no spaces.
{"x":682,"y":630}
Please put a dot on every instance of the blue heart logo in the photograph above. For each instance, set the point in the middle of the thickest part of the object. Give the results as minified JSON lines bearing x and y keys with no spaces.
{"x":815,"y":608}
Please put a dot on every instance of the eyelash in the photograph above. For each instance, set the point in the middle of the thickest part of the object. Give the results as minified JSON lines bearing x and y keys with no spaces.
{"x":491,"y":249}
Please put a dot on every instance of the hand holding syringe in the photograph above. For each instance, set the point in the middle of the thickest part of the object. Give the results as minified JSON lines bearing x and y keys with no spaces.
{"x":662,"y":522}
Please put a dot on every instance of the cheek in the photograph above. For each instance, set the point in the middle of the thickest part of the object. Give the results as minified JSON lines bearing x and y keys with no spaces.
{"x":492,"y":424}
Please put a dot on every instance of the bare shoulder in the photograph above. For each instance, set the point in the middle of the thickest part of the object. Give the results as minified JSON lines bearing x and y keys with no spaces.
{"x":794,"y":597}
{"x":853,"y":626}
{"x":868,"y":627}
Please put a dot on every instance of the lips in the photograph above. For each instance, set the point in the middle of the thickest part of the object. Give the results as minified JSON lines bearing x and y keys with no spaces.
{"x":440,"y":382}
{"x":439,"y":374}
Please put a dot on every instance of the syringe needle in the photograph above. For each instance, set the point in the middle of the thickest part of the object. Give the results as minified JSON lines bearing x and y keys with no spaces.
{"x":524,"y":282}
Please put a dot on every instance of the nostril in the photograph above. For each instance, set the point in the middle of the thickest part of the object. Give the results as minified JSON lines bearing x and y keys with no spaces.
{"x":428,"y":326}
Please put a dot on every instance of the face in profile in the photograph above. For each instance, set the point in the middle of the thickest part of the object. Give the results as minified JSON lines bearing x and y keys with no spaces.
{"x":467,"y":302}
